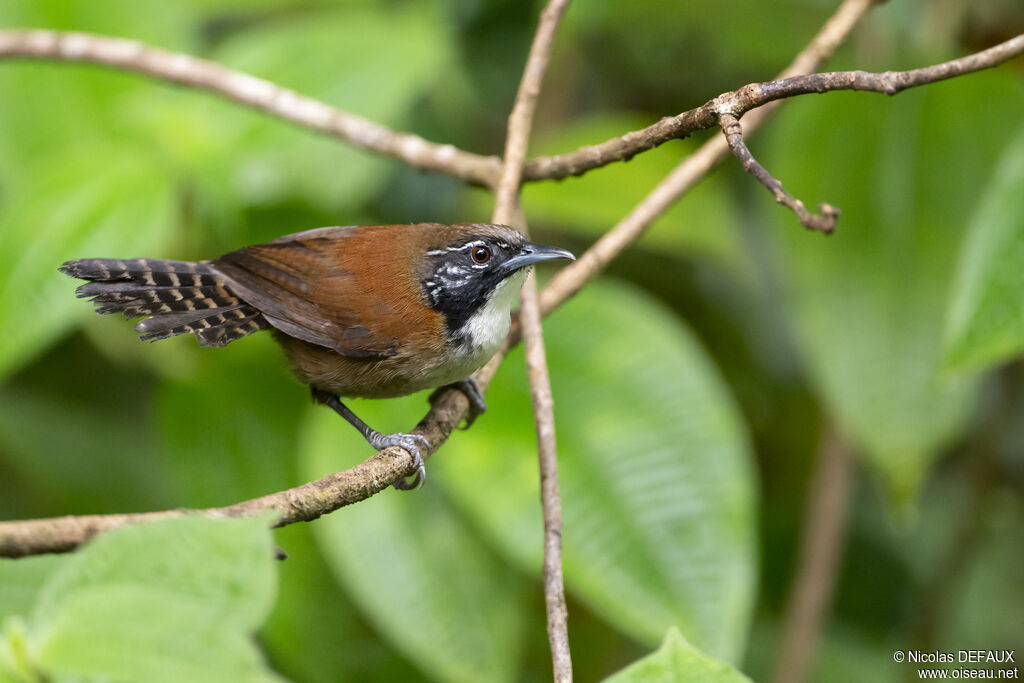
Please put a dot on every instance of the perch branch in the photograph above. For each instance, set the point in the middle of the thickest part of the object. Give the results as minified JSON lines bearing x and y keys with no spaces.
{"x":824,"y":222}
{"x":250,"y":91}
{"x":507,"y":211}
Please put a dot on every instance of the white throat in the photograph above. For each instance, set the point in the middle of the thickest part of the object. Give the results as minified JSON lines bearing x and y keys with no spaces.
{"x":487,"y":328}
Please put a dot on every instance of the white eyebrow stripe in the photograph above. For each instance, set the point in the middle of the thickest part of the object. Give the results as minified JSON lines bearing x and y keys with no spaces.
{"x":464,"y":247}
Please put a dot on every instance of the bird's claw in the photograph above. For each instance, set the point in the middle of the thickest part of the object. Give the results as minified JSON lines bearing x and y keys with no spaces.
{"x":411,"y":443}
{"x":477,"y":403}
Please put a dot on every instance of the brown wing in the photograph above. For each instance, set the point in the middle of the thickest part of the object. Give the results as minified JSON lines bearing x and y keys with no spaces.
{"x":304,"y":285}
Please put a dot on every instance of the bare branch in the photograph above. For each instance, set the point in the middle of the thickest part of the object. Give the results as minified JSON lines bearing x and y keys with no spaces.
{"x":824,"y":222}
{"x":252,"y":92}
{"x":300,"y":504}
{"x":506,"y":210}
{"x":754,"y":95}
{"x":821,"y":549}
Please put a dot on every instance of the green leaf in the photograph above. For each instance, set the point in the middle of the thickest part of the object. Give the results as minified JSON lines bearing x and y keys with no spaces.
{"x":109,"y":204}
{"x":164,"y":601}
{"x":676,"y":661}
{"x":986,"y":318}
{"x":226,"y":565}
{"x":182,"y":644}
{"x":308,"y":594}
{"x":657,"y":488}
{"x":868,"y":304}
{"x":416,"y":571}
{"x":20,"y":581}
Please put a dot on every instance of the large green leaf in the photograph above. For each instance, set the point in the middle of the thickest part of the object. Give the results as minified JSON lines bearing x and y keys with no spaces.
{"x":986,"y":319}
{"x":20,"y":583}
{"x":166,"y":601}
{"x":657,"y":490}
{"x":87,"y":205}
{"x":416,"y":570}
{"x":676,"y":661}
{"x":868,"y":303}
{"x":341,"y":646}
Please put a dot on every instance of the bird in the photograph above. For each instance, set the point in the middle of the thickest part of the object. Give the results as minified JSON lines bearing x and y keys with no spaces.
{"x":367,"y":311}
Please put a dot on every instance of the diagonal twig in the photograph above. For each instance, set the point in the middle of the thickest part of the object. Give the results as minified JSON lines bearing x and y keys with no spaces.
{"x":251,"y":91}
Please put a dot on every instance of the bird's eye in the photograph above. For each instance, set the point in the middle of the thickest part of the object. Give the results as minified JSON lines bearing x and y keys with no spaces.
{"x":481,"y":254}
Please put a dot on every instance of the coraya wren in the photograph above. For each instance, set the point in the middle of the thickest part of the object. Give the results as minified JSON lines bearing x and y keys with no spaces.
{"x":373,"y":311}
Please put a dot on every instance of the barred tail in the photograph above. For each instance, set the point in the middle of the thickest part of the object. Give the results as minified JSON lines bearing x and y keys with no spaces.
{"x":179,"y":295}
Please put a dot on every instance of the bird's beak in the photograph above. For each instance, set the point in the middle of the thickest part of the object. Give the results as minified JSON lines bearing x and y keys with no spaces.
{"x":534,"y":253}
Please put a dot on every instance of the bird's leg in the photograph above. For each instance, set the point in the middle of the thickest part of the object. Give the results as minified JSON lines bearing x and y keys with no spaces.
{"x":410,"y":442}
{"x":469,"y":387}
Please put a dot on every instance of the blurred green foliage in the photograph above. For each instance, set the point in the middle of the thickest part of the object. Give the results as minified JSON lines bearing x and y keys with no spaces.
{"x":691,"y":385}
{"x":166,"y":601}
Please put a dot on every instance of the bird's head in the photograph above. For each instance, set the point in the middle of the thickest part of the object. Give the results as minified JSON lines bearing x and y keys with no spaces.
{"x":474,"y":268}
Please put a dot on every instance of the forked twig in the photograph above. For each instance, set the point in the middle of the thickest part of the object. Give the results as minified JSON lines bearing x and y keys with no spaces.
{"x":824,"y":222}
{"x":250,"y":91}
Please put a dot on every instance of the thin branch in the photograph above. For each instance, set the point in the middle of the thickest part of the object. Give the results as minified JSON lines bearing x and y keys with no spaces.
{"x":507,"y":211}
{"x":252,"y":92}
{"x":547,"y":454}
{"x":821,"y":549}
{"x":307,"y":502}
{"x":754,"y":95}
{"x":571,"y":279}
{"x":824,"y":222}
{"x":300,"y":504}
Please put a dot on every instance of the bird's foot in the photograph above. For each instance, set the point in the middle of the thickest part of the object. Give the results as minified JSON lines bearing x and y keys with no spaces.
{"x":477,"y":404}
{"x":411,"y":443}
